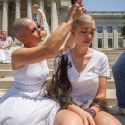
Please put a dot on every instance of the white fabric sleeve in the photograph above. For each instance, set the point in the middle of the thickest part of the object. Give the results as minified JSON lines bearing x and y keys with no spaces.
{"x":104,"y":68}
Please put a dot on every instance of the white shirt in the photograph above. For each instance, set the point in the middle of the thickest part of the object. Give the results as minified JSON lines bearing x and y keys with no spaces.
{"x":85,"y":84}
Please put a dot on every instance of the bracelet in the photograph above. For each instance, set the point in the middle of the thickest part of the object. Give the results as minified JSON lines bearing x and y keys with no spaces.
{"x":101,"y":102}
{"x":92,"y":112}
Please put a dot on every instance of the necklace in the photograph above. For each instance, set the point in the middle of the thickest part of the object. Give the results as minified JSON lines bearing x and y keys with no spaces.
{"x":83,"y":66}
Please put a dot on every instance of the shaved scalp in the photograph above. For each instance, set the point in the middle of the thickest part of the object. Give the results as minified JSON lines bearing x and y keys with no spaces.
{"x":20,"y":26}
{"x":83,"y":18}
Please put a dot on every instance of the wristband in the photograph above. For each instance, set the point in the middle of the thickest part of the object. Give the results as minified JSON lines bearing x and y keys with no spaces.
{"x":92,"y":112}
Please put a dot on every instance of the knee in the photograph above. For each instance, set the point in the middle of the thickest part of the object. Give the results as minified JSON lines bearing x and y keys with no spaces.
{"x":66,"y":117}
{"x":104,"y":118}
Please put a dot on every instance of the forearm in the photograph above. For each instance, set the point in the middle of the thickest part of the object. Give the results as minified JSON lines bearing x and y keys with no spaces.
{"x":70,"y":42}
{"x":57,"y":38}
{"x":99,"y":103}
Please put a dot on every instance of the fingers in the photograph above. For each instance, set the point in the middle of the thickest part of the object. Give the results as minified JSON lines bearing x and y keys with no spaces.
{"x":79,"y":2}
{"x":84,"y":10}
{"x":86,"y":122}
{"x":91,"y":120}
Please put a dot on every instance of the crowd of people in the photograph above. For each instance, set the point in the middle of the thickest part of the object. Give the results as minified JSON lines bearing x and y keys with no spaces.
{"x":76,"y":94}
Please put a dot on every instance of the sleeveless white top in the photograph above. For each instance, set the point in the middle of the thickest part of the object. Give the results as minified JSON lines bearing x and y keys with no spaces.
{"x":24,"y":103}
{"x":31,"y":77}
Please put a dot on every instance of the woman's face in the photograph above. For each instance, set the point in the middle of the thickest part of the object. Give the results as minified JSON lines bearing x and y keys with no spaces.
{"x":84,"y":33}
{"x":34,"y":9}
{"x":4,"y":34}
{"x":33,"y":34}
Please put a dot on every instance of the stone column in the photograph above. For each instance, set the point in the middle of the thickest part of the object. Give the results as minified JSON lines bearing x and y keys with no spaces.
{"x":29,"y":8}
{"x":123,"y":43}
{"x":5,"y":15}
{"x":70,"y":4}
{"x":54,"y":16}
{"x":115,"y":39}
{"x":17,"y":13}
{"x":41,"y":4}
{"x":95,"y":40}
{"x":105,"y":38}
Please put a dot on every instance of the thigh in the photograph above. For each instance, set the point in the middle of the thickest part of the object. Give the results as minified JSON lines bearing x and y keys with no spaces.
{"x":104,"y":118}
{"x":66,"y":117}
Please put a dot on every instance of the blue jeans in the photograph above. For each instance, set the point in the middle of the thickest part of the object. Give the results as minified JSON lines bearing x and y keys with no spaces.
{"x":118,"y":70}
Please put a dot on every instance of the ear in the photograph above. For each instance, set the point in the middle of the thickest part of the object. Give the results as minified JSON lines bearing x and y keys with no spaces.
{"x":23,"y":39}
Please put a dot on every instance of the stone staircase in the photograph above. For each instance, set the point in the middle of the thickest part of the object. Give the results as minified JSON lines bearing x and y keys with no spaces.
{"x":6,"y":79}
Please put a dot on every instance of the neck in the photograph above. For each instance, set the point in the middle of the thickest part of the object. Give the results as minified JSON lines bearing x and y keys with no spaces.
{"x":80,"y":51}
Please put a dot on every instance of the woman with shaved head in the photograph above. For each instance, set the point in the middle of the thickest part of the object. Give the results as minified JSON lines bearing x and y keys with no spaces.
{"x":25,"y":103}
{"x":80,"y":80}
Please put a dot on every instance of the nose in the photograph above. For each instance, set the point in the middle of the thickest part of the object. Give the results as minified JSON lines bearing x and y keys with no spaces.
{"x":89,"y":36}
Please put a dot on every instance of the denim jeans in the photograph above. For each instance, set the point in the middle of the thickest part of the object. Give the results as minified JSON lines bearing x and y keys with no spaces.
{"x":118,"y":70}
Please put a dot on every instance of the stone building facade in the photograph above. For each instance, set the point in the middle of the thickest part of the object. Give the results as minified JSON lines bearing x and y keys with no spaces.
{"x":108,"y":24}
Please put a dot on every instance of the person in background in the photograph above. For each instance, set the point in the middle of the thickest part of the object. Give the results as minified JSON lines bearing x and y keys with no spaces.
{"x":0,"y":35}
{"x":6,"y":43}
{"x":119,"y":78}
{"x":80,"y":80}
{"x":41,"y":18}
{"x":25,"y":103}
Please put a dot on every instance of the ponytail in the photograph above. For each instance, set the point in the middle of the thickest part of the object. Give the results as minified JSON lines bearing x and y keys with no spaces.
{"x":60,"y":86}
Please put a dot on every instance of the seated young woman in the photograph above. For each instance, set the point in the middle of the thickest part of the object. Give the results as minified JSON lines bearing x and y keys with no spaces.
{"x":80,"y":80}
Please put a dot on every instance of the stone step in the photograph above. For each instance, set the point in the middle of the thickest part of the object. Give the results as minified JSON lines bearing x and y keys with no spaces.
{"x":114,"y":54}
{"x":115,"y":57}
{"x":4,"y":66}
{"x":5,"y":72}
{"x":111,"y":50}
{"x":2,"y":92}
{"x":111,"y":60}
{"x":6,"y":83}
{"x":111,"y":93}
{"x":111,"y":84}
{"x":111,"y":102}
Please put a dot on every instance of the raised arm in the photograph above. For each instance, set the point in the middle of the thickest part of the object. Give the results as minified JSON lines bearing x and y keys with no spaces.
{"x":50,"y":48}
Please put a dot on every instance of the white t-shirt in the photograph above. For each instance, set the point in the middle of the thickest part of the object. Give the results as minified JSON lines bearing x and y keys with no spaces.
{"x":85,"y":83}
